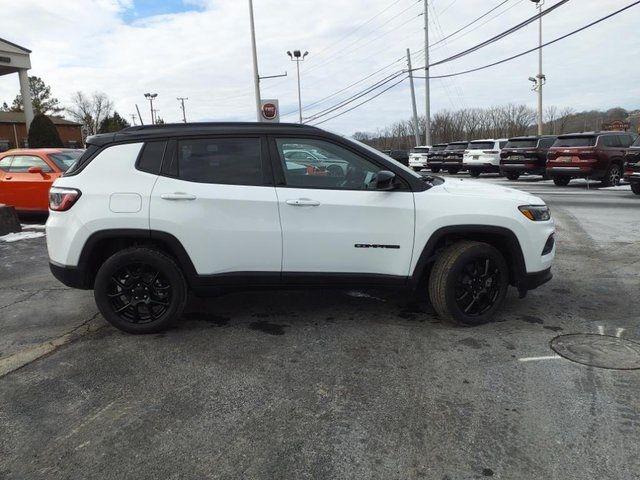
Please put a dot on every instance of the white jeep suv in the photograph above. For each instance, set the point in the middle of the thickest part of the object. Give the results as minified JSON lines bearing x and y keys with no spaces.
{"x":483,"y":156}
{"x":150,"y":213}
{"x":418,"y":157}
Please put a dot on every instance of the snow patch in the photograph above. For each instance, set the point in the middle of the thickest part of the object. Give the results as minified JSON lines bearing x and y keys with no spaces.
{"x":14,"y":237}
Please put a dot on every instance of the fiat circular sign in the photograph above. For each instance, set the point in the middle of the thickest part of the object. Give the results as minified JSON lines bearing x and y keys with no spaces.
{"x":269,"y":111}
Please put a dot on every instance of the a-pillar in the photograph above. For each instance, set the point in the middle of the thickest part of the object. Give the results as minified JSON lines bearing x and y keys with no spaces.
{"x":26,"y":97}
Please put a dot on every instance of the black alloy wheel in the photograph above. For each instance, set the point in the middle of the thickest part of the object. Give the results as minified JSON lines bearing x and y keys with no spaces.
{"x":478,"y":286}
{"x":139,"y":293}
{"x":612,"y":178}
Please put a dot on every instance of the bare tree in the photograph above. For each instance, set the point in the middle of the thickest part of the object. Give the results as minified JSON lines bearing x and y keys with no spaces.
{"x":90,"y":110}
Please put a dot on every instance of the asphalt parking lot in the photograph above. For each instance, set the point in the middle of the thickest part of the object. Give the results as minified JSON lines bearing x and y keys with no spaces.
{"x":331,"y":384}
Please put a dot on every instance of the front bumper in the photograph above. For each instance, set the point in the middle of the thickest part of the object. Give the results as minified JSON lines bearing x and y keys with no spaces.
{"x":531,"y":281}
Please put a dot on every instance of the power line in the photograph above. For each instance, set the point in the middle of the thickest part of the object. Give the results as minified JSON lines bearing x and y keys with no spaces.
{"x":551,"y":42}
{"x":355,"y":97}
{"x":362,"y":103}
{"x":500,"y":35}
{"x":470,"y":23}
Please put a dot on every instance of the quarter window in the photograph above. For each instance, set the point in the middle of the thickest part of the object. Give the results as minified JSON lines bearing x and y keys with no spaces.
{"x":230,"y":161}
{"x":5,"y":163}
{"x":340,"y":169}
{"x":151,"y":157}
{"x":22,"y":163}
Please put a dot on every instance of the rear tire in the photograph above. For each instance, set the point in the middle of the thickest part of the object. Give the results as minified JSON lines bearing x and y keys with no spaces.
{"x":512,"y":176}
{"x":468,"y":283}
{"x":612,"y":177}
{"x":561,"y":181}
{"x":474,"y":173}
{"x":435,"y":169}
{"x":635,"y":188}
{"x":140,"y":290}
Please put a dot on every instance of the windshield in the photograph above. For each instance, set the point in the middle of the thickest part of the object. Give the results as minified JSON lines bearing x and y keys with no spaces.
{"x":378,"y":153}
{"x":456,"y":146}
{"x":575,"y":142}
{"x":525,"y":143}
{"x":65,"y":160}
{"x":481,"y":146}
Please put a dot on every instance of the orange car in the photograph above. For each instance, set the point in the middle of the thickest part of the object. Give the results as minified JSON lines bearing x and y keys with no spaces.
{"x":27,"y":174}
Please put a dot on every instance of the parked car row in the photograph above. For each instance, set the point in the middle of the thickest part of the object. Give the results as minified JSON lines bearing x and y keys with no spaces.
{"x":607,"y":156}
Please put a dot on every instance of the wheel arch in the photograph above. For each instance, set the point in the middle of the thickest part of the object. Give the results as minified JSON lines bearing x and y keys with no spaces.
{"x":104,"y":243}
{"x":502,"y":238}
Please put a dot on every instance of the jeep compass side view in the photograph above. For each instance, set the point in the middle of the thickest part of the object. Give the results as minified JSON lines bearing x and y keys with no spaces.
{"x":152,"y":212}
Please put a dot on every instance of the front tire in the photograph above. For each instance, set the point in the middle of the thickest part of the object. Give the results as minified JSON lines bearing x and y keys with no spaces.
{"x":474,"y":173}
{"x":612,"y":177}
{"x":561,"y":181}
{"x":512,"y":176}
{"x":435,"y":169}
{"x":635,"y":188}
{"x":140,"y":290}
{"x":468,"y":283}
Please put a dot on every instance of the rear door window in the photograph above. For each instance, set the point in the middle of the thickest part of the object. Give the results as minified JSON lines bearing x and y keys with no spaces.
{"x":230,"y":161}
{"x":611,"y":141}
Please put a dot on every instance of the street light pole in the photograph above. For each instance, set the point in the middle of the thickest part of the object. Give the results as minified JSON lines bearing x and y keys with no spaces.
{"x":540,"y":79}
{"x":181,"y":100}
{"x":256,"y":76}
{"x":298,"y":57}
{"x":150,"y":97}
{"x":427,"y":125}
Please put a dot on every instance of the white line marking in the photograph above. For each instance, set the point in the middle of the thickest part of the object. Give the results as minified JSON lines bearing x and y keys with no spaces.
{"x":619,"y":332}
{"x":533,"y":359}
{"x":600,"y":329}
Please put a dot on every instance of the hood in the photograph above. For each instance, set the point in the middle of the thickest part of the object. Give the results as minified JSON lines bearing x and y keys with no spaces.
{"x":472,"y":188}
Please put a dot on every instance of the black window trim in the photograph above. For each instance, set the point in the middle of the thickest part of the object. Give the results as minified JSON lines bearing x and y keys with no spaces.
{"x":278,"y":170}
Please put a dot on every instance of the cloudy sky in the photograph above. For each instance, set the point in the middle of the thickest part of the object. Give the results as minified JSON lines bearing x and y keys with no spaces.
{"x":200,"y":49}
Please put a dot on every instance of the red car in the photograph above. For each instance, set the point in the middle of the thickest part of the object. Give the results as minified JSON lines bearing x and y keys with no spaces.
{"x":27,"y":174}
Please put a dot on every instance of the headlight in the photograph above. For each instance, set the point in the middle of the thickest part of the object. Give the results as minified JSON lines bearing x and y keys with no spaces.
{"x":537,"y":213}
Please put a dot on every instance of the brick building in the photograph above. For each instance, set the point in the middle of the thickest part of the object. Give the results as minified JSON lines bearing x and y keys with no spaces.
{"x":13,"y":131}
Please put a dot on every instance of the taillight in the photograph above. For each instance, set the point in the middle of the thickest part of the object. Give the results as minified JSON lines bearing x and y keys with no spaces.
{"x":62,"y":199}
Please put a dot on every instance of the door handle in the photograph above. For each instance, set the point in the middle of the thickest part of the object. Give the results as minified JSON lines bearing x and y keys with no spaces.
{"x":178,"y":196}
{"x":303,"y":202}
{"x":8,"y":178}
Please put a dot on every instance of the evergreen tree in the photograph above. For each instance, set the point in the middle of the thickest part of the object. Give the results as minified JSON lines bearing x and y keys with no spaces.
{"x":43,"y":133}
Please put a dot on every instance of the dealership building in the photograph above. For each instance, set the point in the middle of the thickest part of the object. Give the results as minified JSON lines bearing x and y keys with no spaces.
{"x":14,"y":126}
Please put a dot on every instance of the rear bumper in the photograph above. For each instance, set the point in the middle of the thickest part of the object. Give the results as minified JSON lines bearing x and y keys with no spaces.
{"x":522,"y":168}
{"x":582,"y":172}
{"x":482,"y":167}
{"x":70,"y":276}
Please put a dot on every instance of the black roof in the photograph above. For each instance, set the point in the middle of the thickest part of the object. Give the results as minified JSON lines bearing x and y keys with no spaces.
{"x":143,"y":132}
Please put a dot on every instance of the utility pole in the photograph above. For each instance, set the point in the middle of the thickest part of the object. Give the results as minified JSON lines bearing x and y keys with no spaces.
{"x":413,"y":100}
{"x":150,"y":97}
{"x":298,"y":57}
{"x":155,"y":116}
{"x":256,"y":75}
{"x":133,"y":119}
{"x":181,"y":100}
{"x":427,"y":124}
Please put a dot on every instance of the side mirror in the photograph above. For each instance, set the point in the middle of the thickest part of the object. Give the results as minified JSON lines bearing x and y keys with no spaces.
{"x":384,"y":180}
{"x":35,"y":170}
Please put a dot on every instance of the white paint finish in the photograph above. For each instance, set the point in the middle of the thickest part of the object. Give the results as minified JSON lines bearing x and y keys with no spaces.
{"x":466,"y":202}
{"x":125,"y":203}
{"x":322,"y":238}
{"x":468,"y":159}
{"x":112,"y":171}
{"x":225,"y":228}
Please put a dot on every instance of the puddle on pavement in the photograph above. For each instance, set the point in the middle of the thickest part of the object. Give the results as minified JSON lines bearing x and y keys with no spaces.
{"x":602,"y":351}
